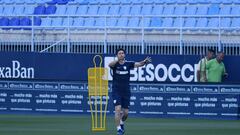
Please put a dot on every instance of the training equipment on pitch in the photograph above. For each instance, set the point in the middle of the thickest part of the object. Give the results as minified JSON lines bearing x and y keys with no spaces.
{"x":98,"y":94}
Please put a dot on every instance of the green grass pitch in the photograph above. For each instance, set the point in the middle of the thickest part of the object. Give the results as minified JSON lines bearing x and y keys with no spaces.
{"x":80,"y":125}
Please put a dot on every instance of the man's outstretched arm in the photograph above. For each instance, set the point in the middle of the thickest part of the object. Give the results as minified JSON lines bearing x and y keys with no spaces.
{"x":142,"y":63}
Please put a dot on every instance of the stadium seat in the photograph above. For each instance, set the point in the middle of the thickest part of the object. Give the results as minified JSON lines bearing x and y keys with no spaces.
{"x":146,"y":22}
{"x":89,"y":22}
{"x":65,"y":21}
{"x":202,"y":10}
{"x":225,"y":22}
{"x":19,"y":2}
{"x":46,"y":22}
{"x":51,"y":9}
{"x":133,"y":22}
{"x":191,"y":10}
{"x":114,"y":10}
{"x":9,"y":1}
{"x":213,"y":9}
{"x":147,"y":10}
{"x":25,"y":22}
{"x":225,"y":10}
{"x":156,"y":22}
{"x":78,"y":22}
{"x":190,"y":22}
{"x":37,"y":21}
{"x":61,"y":10}
{"x":28,"y":10}
{"x":135,"y":10}
{"x":15,"y":21}
{"x":236,"y":23}
{"x":103,"y":10}
{"x":100,"y":22}
{"x":125,"y":10}
{"x":8,"y":10}
{"x":1,"y":9}
{"x":93,"y":10}
{"x":180,"y":10}
{"x":57,"y":21}
{"x":122,"y":22}
{"x":168,"y":10}
{"x":235,"y":10}
{"x":202,"y":22}
{"x":157,"y":10}
{"x":111,"y":22}
{"x":178,"y":22}
{"x":213,"y":23}
{"x":4,"y":21}
{"x":39,"y":10}
{"x":167,"y":22}
{"x":82,"y":10}
{"x":18,"y":10}
{"x":71,"y":10}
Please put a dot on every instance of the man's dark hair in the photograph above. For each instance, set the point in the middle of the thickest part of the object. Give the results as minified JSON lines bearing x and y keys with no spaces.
{"x":120,"y":49}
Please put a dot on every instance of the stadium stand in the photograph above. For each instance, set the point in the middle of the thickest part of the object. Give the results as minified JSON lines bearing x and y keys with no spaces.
{"x":164,"y":17}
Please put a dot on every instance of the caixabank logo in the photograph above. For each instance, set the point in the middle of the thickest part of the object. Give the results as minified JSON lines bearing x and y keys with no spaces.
{"x":160,"y":72}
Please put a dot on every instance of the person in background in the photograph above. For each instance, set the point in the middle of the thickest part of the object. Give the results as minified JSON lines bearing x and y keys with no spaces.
{"x":216,"y":69}
{"x":201,"y":70}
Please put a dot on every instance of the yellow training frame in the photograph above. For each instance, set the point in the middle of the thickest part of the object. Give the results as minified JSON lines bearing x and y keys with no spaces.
{"x":97,"y":90}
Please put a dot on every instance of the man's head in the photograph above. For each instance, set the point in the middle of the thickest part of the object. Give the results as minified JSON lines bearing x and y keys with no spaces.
{"x":120,"y":54}
{"x":220,"y":57}
{"x":210,"y":54}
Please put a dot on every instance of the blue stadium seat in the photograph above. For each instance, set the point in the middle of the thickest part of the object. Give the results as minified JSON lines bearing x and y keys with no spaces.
{"x":37,"y":21}
{"x":156,"y":22}
{"x":180,"y":10}
{"x":9,"y":1}
{"x":93,"y":10}
{"x":18,"y":10}
{"x":65,"y":21}
{"x":100,"y":22}
{"x":111,"y":22}
{"x":103,"y":10}
{"x":114,"y":10}
{"x":167,"y":22}
{"x":157,"y":10}
{"x":4,"y":21}
{"x":177,"y":22}
{"x":192,"y":1}
{"x":46,"y":22}
{"x":168,"y":10}
{"x":89,"y":22}
{"x":57,"y":21}
{"x":190,"y":22}
{"x":8,"y":10}
{"x":235,"y":10}
{"x":28,"y":10}
{"x":134,"y":22}
{"x":202,"y":22}
{"x":30,"y":1}
{"x":146,"y":22}
{"x":71,"y":10}
{"x":15,"y":21}
{"x":226,"y":1}
{"x":147,"y":10}
{"x":82,"y":10}
{"x":125,"y":10}
{"x":135,"y":10}
{"x":25,"y":21}
{"x":203,"y":1}
{"x":122,"y":22}
{"x":236,"y":23}
{"x":39,"y":10}
{"x":225,"y":22}
{"x":213,"y":23}
{"x":225,"y":10}
{"x":213,"y":9}
{"x":19,"y":1}
{"x":78,"y":22}
{"x":50,"y":9}
{"x":1,"y":9}
{"x":181,"y":1}
{"x":61,"y":10}
{"x":191,"y":10}
{"x":202,"y":10}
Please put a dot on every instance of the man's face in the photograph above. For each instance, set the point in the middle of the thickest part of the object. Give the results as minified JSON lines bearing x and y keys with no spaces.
{"x":220,"y":57}
{"x":210,"y":55}
{"x":121,"y":55}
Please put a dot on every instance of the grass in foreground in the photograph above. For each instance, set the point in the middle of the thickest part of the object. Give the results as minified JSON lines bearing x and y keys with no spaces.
{"x":80,"y":125}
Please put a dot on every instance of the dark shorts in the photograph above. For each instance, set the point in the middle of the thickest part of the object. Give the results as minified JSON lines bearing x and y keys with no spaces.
{"x":123,"y":100}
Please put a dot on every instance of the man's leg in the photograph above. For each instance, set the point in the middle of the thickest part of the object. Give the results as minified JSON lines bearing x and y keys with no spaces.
{"x":118,"y":117}
{"x":124,"y":114}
